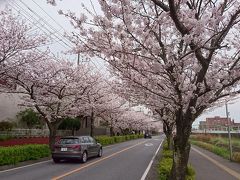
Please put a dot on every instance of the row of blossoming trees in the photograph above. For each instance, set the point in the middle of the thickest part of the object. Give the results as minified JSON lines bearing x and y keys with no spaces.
{"x":179,"y":57}
{"x":56,"y":88}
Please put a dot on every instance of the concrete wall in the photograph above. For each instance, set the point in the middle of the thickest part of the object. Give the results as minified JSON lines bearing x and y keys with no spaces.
{"x":9,"y":106}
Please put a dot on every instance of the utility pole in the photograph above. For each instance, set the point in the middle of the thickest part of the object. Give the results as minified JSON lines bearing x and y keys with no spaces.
{"x":229,"y":133}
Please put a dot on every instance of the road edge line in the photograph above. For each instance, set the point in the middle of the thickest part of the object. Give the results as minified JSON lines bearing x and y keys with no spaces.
{"x":150,"y":164}
{"x":218,"y":164}
{"x":29,"y":165}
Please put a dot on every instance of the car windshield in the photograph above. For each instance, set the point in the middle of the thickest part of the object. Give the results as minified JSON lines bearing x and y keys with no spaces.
{"x":69,"y":141}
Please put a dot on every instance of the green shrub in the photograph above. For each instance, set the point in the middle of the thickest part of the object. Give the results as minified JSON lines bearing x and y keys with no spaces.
{"x":30,"y":118}
{"x":118,"y":139}
{"x":69,"y":123}
{"x":167,"y":153}
{"x":6,"y":126}
{"x":15,"y":154}
{"x":190,"y":173}
{"x":165,"y":166}
{"x":127,"y":137}
{"x":5,"y":137}
{"x":140,"y":135}
{"x":107,"y":140}
{"x":165,"y":145}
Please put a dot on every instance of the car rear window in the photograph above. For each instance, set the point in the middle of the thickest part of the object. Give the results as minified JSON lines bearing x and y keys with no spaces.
{"x":69,"y":141}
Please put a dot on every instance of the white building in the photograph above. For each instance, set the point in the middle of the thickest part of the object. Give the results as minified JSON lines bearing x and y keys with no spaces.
{"x":9,"y":106}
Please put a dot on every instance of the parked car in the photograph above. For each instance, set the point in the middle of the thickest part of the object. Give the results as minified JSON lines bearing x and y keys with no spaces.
{"x":76,"y":147}
{"x":147,"y":135}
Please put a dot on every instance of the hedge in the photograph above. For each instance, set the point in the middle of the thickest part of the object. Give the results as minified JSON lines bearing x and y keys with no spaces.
{"x":107,"y":140}
{"x":15,"y":154}
{"x":165,"y":165}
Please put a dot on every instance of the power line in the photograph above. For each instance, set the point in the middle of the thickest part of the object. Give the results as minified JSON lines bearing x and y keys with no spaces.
{"x":45,"y":22}
{"x":40,"y":27}
{"x":49,"y":16}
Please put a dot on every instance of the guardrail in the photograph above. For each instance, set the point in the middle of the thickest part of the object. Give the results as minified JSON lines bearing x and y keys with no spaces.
{"x":215,"y":132}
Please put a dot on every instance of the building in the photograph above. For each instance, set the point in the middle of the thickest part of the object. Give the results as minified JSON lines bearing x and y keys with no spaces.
{"x":9,"y":106}
{"x":216,"y":123}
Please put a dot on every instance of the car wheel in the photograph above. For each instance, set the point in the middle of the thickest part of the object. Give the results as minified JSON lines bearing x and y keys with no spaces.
{"x":100,"y":152}
{"x":56,"y":160}
{"x":84,"y":157}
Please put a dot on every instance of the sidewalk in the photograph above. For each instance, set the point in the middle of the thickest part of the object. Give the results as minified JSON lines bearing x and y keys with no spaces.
{"x":209,"y":166}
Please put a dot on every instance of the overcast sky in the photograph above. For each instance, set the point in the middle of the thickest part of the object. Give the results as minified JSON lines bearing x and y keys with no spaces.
{"x":31,"y":9}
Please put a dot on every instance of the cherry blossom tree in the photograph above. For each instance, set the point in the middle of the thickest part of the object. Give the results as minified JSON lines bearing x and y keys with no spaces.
{"x":112,"y":110}
{"x":17,"y":38}
{"x":55,"y":88}
{"x":161,"y":112}
{"x":131,"y":120}
{"x":184,"y":52}
{"x":167,"y":117}
{"x":110,"y":107}
{"x":99,"y":99}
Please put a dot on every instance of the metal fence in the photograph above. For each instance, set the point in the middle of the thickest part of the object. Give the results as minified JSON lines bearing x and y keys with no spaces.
{"x":45,"y":132}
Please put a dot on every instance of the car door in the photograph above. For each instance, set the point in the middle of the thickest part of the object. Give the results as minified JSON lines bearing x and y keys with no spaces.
{"x":86,"y":144}
{"x":94,"y":146}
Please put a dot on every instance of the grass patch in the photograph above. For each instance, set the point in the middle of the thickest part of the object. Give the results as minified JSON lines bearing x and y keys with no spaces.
{"x":165,"y":165}
{"x":215,"y":149}
{"x":217,"y":140}
{"x":218,"y":145}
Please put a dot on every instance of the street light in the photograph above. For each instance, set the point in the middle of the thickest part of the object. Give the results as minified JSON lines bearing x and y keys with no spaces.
{"x":229,"y":134}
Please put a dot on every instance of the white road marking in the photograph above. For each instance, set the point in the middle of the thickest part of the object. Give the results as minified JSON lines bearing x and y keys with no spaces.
{"x":150,"y":164}
{"x":148,"y":144}
{"x":25,"y":166}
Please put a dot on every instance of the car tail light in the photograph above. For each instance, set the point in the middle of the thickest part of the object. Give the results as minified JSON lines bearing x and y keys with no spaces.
{"x":56,"y":146}
{"x":76,"y":147}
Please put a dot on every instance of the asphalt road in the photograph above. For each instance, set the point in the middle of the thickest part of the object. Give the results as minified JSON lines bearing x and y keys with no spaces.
{"x":124,"y":161}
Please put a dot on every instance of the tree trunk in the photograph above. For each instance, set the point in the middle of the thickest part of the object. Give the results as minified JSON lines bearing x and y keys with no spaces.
{"x":112,"y":133}
{"x":169,"y":141}
{"x":53,"y":126}
{"x":52,"y":136}
{"x":111,"y":129}
{"x":168,"y":131}
{"x":92,"y":125}
{"x":181,"y":150}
